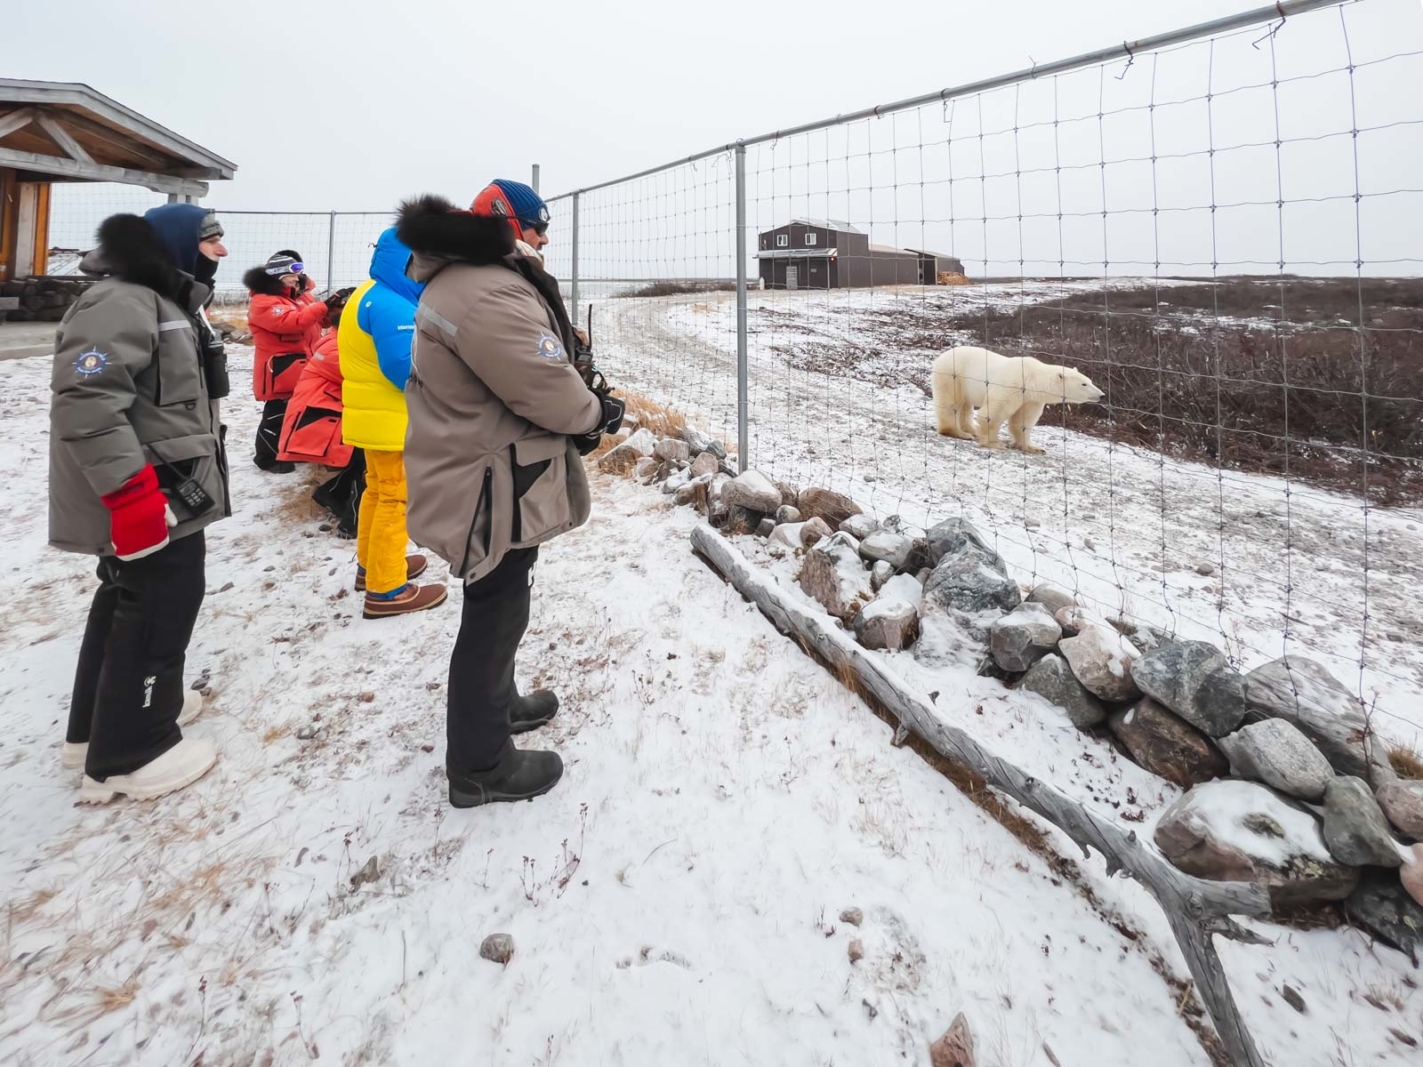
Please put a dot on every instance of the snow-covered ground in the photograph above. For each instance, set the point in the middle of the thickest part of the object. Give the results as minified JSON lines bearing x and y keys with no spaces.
{"x":675,"y":900}
{"x":1288,"y":568}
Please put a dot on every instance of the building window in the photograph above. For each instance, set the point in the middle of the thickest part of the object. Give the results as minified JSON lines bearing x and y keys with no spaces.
{"x":810,"y":238}
{"x":783,"y":240}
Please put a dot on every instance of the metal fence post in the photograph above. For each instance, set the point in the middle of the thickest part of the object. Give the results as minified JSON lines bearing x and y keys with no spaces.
{"x":535,"y":182}
{"x":742,"y":434}
{"x":573,"y":281}
{"x":330,"y":250}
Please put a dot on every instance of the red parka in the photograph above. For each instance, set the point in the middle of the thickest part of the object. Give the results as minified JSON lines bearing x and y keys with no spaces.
{"x":285,"y":326}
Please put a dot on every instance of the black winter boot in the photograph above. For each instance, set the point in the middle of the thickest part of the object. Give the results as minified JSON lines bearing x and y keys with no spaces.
{"x":519,"y":775}
{"x":530,"y":712}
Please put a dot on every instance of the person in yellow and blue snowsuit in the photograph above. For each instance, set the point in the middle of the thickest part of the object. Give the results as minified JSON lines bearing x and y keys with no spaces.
{"x":374,"y":340}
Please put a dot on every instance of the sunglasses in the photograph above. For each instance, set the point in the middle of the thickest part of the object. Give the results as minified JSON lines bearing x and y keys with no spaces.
{"x":540,"y":228}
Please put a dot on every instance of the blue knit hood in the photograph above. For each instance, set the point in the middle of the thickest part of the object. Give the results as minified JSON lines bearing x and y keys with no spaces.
{"x":177,"y":227}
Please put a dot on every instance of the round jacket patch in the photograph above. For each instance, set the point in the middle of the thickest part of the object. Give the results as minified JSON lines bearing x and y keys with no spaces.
{"x":550,"y":347}
{"x":91,"y":362}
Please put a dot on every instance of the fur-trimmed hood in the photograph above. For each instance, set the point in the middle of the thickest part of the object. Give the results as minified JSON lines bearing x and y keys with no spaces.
{"x":130,"y":249}
{"x":258,"y":280}
{"x":438,"y":233}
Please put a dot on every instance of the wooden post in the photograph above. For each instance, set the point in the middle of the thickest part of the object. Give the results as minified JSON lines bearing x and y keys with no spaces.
{"x":39,"y":262}
{"x":1197,"y":909}
{"x":9,"y":222}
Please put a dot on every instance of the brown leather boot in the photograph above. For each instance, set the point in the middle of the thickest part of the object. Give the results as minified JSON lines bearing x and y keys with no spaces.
{"x":414,"y":567}
{"x":412,"y":598}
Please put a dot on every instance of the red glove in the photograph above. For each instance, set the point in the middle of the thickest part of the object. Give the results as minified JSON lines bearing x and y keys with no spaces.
{"x":139,"y":516}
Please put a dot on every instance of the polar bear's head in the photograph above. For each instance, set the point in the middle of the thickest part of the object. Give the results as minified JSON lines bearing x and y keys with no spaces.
{"x":1076,"y":387}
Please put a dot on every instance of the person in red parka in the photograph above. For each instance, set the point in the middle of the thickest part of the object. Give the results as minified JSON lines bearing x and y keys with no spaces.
{"x":311,"y":428}
{"x":285,"y":321}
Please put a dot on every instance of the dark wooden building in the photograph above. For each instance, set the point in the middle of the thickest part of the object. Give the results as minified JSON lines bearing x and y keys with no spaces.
{"x":826,"y":254}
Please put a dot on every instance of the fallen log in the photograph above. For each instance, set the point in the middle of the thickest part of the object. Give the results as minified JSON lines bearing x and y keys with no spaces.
{"x":1197,"y":909}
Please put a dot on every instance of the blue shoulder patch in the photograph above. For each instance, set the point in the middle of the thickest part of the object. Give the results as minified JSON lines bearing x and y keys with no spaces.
{"x":550,"y":347}
{"x":91,"y":362}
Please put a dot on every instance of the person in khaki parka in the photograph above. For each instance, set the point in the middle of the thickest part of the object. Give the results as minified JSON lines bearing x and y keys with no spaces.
{"x":499,"y":421}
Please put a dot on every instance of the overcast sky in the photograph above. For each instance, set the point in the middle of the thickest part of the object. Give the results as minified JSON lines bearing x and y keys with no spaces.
{"x":356,"y":104}
{"x":353,"y":106}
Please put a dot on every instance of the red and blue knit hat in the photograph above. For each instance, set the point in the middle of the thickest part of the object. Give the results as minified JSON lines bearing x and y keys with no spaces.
{"x":513,"y":200}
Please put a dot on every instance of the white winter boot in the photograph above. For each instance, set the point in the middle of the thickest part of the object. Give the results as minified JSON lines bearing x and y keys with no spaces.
{"x":73,"y":755}
{"x":180,"y":766}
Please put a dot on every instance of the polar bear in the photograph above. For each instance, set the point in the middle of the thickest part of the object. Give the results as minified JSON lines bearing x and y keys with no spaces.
{"x":1015,"y":388}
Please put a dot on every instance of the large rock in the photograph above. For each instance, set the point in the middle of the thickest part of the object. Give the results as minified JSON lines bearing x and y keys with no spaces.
{"x":672,"y":450}
{"x":859,"y":526}
{"x":891,"y":620}
{"x":1233,"y":831}
{"x":786,"y":513}
{"x":835,"y":577}
{"x":1383,"y":908}
{"x":623,"y":459}
{"x":826,"y":504}
{"x":951,"y":535}
{"x":644,"y":468}
{"x":894,"y":548}
{"x":1402,"y":803}
{"x":815,"y":530}
{"x":1355,"y":829}
{"x":643,"y":441}
{"x":1074,"y":620}
{"x":1411,"y":873}
{"x":1052,"y":679}
{"x":1197,"y":682}
{"x":970,"y":577}
{"x":698,"y":442}
{"x":1302,"y":692}
{"x":754,"y":492}
{"x":718,"y":510}
{"x":788,"y":534}
{"x":705,"y":464}
{"x":1167,"y":745}
{"x":1102,"y":660}
{"x":1276,"y":753}
{"x":880,"y":573}
{"x":693,"y":490}
{"x":1052,"y":597}
{"x":1023,"y":636}
{"x":954,"y":1048}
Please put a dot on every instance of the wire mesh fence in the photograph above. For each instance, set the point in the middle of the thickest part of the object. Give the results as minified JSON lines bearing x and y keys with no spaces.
{"x":335,"y":246}
{"x":1221,"y":233}
{"x":1221,"y":230}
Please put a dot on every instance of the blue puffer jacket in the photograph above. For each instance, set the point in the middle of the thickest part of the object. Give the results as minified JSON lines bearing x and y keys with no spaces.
{"x":374,"y":343}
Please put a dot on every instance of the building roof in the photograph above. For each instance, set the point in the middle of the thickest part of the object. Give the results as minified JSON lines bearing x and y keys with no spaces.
{"x":827,"y":224}
{"x":821,"y":224}
{"x":890,"y":250}
{"x":797,"y":253}
{"x":936,"y":255}
{"x":67,"y":131}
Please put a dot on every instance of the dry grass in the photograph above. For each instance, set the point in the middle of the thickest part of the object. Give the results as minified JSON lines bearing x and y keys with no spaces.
{"x":662,"y":420}
{"x":1406,"y":762}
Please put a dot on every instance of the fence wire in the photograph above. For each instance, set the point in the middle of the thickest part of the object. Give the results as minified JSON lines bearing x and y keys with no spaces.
{"x":1222,"y":233}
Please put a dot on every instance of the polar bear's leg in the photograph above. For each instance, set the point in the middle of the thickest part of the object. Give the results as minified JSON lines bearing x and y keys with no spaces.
{"x":948,"y":406}
{"x":1020,"y":427}
{"x":990,"y":418}
{"x":965,"y":422}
